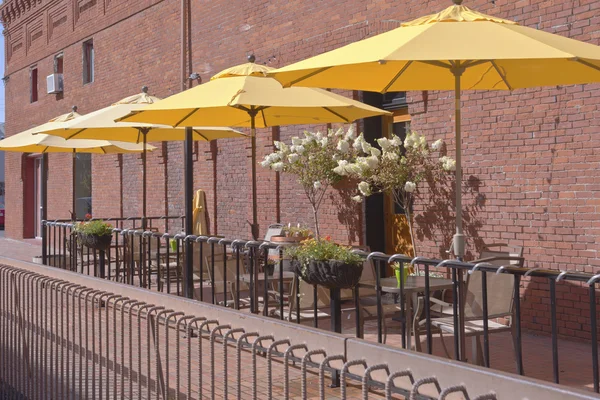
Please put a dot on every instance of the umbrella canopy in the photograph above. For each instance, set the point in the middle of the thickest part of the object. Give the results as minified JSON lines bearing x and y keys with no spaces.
{"x":456,"y":48}
{"x":34,"y":141}
{"x":41,"y":143}
{"x":243,"y":96}
{"x":491,"y":53}
{"x":231,"y":99}
{"x":101,"y":124}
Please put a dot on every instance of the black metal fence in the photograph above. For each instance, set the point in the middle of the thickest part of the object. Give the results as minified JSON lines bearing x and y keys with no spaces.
{"x":231,"y":273}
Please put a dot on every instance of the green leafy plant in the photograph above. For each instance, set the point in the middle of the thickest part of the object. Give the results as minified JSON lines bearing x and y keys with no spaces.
{"x":95,"y":227}
{"x":322,"y":250}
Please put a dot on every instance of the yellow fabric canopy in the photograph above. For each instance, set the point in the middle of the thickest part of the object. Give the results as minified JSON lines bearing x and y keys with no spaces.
{"x":42,"y":143}
{"x":226,"y":101}
{"x":495,"y":54}
{"x":35,"y":140}
{"x":101,"y":124}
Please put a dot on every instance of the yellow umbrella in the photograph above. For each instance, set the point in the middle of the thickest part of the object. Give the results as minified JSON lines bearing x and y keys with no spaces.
{"x":456,"y":48}
{"x":243,"y":96}
{"x":101,"y":124}
{"x":33,"y":141}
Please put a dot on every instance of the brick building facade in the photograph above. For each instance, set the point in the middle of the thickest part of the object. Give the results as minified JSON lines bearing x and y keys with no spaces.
{"x":530,"y":161}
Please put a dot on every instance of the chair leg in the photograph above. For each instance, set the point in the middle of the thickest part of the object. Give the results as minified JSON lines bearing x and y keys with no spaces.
{"x":444,"y":345}
{"x":417,"y":334}
{"x":513,"y":333}
{"x":361,"y":323}
{"x":476,"y":351}
{"x":384,"y":329}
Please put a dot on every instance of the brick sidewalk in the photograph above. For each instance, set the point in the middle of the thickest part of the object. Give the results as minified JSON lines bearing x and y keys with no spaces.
{"x":23,"y":250}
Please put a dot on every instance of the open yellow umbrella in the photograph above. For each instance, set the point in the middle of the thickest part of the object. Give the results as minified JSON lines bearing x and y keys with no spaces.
{"x":33,"y":141}
{"x":242,"y":96}
{"x":101,"y":124}
{"x":455,"y":49}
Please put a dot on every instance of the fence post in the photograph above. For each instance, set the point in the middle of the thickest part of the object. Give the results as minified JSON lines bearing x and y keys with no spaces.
{"x":43,"y":206}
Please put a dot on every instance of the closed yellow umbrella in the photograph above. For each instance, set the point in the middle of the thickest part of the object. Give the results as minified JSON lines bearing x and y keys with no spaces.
{"x":455,"y":49}
{"x":33,"y":141}
{"x":101,"y":124}
{"x":242,"y":96}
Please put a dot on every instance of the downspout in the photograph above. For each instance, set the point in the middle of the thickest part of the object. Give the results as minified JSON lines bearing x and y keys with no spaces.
{"x":184,"y":75}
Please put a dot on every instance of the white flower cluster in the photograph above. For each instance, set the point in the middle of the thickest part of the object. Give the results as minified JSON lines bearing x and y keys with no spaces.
{"x":398,"y":166}
{"x":448,"y":164}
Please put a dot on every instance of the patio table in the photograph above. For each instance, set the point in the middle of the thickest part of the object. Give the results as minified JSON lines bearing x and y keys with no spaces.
{"x":413,"y":285}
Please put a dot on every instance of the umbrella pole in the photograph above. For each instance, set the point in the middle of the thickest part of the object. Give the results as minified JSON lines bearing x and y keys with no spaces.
{"x":188,"y":284}
{"x":144,"y":133}
{"x":74,"y":184}
{"x":459,"y":237}
{"x":253,"y":161}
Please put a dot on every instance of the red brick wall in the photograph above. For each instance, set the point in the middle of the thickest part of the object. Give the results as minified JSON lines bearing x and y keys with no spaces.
{"x":530,"y":158}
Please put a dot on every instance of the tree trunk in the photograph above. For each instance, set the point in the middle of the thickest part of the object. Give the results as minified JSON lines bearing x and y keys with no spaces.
{"x":316,"y":217}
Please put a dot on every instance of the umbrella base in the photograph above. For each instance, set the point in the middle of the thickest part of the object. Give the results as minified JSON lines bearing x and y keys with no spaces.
{"x":458,"y":245}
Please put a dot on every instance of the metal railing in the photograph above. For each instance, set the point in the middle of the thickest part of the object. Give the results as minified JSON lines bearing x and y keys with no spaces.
{"x":136,"y":222}
{"x":69,"y":336}
{"x":156,"y":261}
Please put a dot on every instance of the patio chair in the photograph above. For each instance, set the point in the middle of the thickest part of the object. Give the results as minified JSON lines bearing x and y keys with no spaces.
{"x":500,"y":292}
{"x":219,"y":279}
{"x":496,"y":254}
{"x":305,"y":297}
{"x":368,"y":301}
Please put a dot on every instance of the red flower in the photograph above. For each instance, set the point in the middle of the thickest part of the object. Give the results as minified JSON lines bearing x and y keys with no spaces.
{"x":328,"y":238}
{"x":88,"y":216}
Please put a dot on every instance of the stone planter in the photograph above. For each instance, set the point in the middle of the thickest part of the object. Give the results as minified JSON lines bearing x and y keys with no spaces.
{"x":331,"y":274}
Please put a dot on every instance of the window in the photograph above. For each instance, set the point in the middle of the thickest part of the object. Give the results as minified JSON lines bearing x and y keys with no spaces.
{"x":33,"y":84}
{"x":58,"y":63}
{"x":394,"y":100}
{"x":88,"y":61}
{"x":83,"y":186}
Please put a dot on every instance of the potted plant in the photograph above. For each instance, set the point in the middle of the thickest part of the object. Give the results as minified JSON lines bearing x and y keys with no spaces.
{"x":406,"y":271}
{"x":312,"y":160}
{"x":323,"y":262}
{"x":396,"y":169}
{"x":95,"y":234}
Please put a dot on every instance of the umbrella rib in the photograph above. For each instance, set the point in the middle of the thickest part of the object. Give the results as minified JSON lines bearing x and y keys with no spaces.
{"x":385,"y":89}
{"x":262,"y":112}
{"x":187,"y":116}
{"x":437,"y":64}
{"x":336,"y":114}
{"x":75,"y":134}
{"x":308,"y":76}
{"x":201,"y":135}
{"x":587,"y":64}
{"x":501,"y":75}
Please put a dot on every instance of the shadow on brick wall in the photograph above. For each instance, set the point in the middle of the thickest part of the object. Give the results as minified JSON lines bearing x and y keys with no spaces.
{"x":436,"y":222}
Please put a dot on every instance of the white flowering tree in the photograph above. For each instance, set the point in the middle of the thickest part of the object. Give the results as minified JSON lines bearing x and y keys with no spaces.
{"x":396,"y":169}
{"x":313,"y":159}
